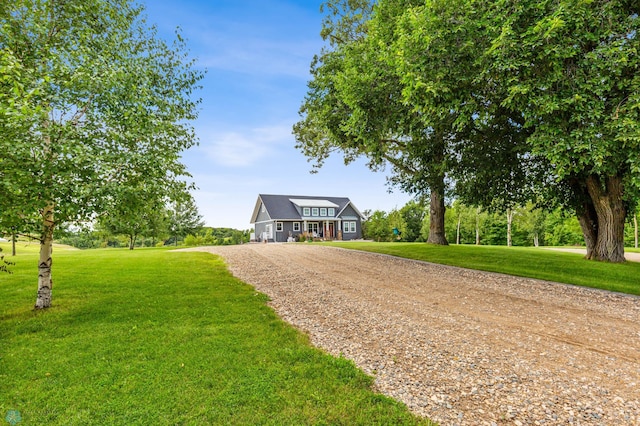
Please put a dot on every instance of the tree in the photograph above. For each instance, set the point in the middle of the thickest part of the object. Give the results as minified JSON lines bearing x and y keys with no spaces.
{"x":413,"y":214}
{"x":17,"y":115}
{"x":108,"y":106}
{"x":354,"y":105}
{"x":462,"y":222}
{"x":397,"y":224}
{"x":526,"y":96}
{"x":184,"y":218}
{"x":571,"y":70}
{"x":531,"y":221}
{"x":562,"y":229}
{"x":139,"y":211}
{"x":377,"y":227}
{"x":436,"y":47}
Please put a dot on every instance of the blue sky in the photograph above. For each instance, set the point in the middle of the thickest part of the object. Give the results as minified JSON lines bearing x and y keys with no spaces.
{"x":257,"y":55}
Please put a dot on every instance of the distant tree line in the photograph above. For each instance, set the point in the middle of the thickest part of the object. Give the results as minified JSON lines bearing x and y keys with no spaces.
{"x":521,"y":226}
{"x":218,"y":237}
{"x":178,"y":223}
{"x":204,"y":236}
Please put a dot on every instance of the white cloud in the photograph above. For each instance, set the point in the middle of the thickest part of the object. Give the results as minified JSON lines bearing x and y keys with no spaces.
{"x":236,"y":149}
{"x":255,"y":56}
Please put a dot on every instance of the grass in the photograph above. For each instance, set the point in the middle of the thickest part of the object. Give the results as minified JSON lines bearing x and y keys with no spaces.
{"x":158,"y":337}
{"x":569,"y":268}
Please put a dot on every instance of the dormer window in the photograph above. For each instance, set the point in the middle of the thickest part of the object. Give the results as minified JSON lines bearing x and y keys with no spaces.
{"x":314,"y":212}
{"x":306,"y":211}
{"x":331,"y":211}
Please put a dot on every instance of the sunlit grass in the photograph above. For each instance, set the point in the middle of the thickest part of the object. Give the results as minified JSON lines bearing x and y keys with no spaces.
{"x":569,"y":268}
{"x":152,"y":337}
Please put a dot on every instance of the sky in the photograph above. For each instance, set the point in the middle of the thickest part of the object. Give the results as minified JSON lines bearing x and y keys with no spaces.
{"x":257,"y":56}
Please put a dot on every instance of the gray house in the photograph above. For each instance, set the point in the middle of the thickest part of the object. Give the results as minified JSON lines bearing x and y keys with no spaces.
{"x":279,"y":218}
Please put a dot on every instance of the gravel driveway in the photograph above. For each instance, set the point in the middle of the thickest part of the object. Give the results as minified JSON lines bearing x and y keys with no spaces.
{"x":461,"y":347}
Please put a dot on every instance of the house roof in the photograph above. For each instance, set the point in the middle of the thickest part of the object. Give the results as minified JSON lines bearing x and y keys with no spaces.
{"x":312,"y":203}
{"x":283,"y":207}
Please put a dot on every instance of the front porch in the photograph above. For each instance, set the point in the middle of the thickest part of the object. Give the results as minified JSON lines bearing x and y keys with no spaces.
{"x":323,"y":230}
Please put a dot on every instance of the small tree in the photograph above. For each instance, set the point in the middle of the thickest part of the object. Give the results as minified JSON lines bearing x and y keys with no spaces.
{"x":184,"y":218}
{"x":397,"y":224}
{"x":413,"y":214}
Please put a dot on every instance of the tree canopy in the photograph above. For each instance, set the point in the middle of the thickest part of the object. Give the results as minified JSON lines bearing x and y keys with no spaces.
{"x":501,"y":102}
{"x":98,"y":104}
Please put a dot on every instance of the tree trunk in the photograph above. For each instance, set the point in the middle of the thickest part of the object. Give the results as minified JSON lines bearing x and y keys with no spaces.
{"x":589,"y":225}
{"x":635,"y":230}
{"x":458,"y":230}
{"x":536,"y":240}
{"x":14,"y":237}
{"x":611,"y":214}
{"x":132,"y":241}
{"x":478,"y":227}
{"x":509,"y":221}
{"x":436,"y":218}
{"x":45,"y":283}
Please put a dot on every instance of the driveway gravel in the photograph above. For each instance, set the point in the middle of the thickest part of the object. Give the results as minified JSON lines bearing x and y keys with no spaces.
{"x":461,"y":347}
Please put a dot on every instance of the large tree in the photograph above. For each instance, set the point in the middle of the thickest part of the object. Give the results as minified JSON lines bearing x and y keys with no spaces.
{"x":354,"y":105}
{"x":570,"y":68}
{"x":108,"y":106}
{"x":437,"y":48}
{"x":523,"y":98}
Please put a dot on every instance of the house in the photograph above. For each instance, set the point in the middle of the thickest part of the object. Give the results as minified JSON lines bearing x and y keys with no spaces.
{"x":280,"y":218}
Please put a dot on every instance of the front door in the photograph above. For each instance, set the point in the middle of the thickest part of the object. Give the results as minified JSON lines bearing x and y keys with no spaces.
{"x":329,"y":231}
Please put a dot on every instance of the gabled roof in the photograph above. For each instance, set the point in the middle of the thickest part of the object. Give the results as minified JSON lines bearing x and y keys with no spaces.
{"x":283,"y":207}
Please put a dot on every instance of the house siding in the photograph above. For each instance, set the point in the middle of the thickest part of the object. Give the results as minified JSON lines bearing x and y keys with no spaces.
{"x":262,"y":222}
{"x":287,"y":210}
{"x":287,"y":230}
{"x":350,"y":215}
{"x":278,"y":236}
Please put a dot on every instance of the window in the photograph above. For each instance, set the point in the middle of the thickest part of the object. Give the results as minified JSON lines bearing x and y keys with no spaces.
{"x":306,"y":211}
{"x":279,"y":226}
{"x":264,"y":209}
{"x":312,"y":228}
{"x":332,"y":211}
{"x":296,"y":226}
{"x":350,"y":227}
{"x":323,"y":211}
{"x":314,"y":211}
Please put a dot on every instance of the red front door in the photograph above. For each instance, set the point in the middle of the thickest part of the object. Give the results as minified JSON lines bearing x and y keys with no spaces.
{"x":329,"y":229}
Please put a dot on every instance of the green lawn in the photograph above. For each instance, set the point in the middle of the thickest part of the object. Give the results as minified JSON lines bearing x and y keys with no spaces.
{"x":153,"y":337}
{"x":569,"y":268}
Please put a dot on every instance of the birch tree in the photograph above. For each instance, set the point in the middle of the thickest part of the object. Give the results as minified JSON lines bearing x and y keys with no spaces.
{"x":108,"y":106}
